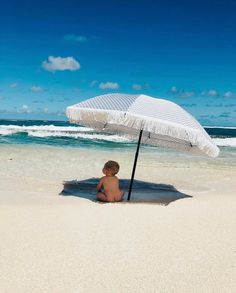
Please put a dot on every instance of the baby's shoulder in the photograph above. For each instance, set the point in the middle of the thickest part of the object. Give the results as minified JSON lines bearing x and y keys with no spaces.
{"x":110,"y":178}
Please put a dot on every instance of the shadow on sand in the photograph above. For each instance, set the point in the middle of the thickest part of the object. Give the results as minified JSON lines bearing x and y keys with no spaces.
{"x":142,"y":192}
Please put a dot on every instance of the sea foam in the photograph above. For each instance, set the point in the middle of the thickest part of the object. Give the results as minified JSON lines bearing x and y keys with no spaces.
{"x":60,"y":131}
{"x":80,"y":132}
{"x":225,"y":142}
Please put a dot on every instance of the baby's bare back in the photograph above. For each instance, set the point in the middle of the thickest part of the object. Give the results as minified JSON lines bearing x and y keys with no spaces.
{"x":111,"y":187}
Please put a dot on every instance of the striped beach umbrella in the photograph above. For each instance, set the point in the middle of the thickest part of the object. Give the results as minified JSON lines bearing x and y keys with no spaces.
{"x":153,"y":121}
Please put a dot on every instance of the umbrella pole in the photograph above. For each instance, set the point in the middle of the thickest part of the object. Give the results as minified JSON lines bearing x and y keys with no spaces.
{"x":135,"y":162}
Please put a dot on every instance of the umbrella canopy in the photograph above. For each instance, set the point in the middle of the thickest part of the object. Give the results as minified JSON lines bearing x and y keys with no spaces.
{"x":157,"y":121}
{"x":163,"y":122}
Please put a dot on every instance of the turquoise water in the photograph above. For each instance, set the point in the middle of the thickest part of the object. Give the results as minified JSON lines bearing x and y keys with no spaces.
{"x":64,"y":134}
{"x":57,"y":133}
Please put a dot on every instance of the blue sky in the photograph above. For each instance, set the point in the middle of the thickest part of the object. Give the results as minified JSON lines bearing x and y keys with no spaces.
{"x":56,"y":53}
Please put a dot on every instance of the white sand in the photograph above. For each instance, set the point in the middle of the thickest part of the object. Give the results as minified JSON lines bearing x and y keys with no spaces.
{"x":52,"y":243}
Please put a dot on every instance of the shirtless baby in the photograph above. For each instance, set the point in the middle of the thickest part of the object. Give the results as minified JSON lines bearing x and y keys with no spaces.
{"x":108,"y":187}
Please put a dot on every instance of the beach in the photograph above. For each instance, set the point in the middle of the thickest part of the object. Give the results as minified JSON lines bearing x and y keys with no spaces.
{"x":141,"y":90}
{"x":56,"y":243}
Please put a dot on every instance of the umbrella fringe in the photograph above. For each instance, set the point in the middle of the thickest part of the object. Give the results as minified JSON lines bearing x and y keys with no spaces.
{"x":98,"y":119}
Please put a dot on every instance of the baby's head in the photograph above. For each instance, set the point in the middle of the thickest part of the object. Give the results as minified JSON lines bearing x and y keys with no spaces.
{"x":111,"y":168}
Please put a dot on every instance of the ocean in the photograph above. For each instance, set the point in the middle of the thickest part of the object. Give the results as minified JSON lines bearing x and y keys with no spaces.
{"x":64,"y":134}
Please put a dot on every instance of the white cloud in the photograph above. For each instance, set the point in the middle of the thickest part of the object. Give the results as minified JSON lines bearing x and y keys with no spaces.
{"x":109,"y":85}
{"x":60,"y":64}
{"x":228,"y":94}
{"x":25,"y":109}
{"x":93,"y":83}
{"x":185,"y":94}
{"x":76,"y":38}
{"x":212,"y":93}
{"x":36,"y":89}
{"x":182,"y":93}
{"x":137,"y":87}
{"x":45,"y":110}
{"x":174,"y":89}
{"x":13,"y":85}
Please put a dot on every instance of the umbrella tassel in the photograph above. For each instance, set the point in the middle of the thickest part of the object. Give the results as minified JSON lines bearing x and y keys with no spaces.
{"x":134,"y":166}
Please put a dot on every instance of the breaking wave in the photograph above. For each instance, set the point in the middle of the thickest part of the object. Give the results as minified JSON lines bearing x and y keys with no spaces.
{"x":60,"y":131}
{"x":79,"y":132}
{"x":225,"y":142}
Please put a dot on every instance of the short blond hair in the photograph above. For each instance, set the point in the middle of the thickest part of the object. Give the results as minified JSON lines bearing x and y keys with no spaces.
{"x":113,"y":166}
